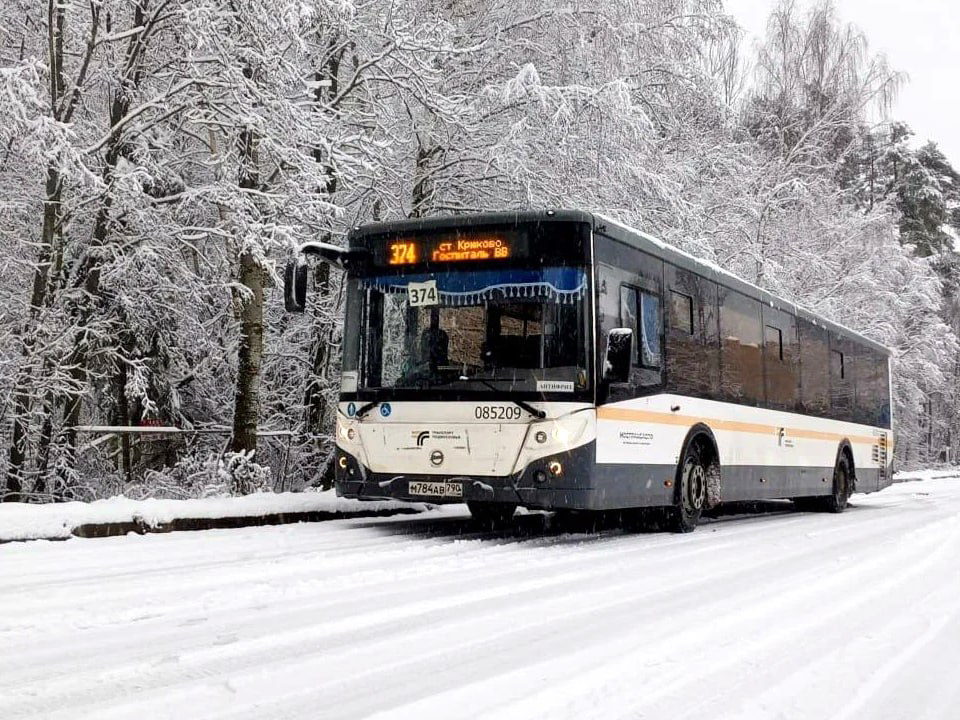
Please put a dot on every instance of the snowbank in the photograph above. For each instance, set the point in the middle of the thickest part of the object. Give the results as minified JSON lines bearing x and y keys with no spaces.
{"x":913,"y":475}
{"x":21,"y":521}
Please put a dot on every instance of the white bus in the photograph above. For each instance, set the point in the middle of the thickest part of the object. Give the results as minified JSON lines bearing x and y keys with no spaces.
{"x":560,"y":360}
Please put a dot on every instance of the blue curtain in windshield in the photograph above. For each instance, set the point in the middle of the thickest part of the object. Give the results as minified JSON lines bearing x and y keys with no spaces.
{"x":460,"y":287}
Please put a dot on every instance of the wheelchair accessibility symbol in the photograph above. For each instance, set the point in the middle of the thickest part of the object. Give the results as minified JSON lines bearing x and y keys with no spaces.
{"x":385,"y":410}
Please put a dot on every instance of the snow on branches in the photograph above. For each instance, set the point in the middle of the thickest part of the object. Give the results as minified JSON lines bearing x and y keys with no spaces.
{"x":159,"y":160}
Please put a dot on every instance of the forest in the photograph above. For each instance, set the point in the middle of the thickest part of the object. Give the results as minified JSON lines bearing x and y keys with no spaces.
{"x":161,"y":159}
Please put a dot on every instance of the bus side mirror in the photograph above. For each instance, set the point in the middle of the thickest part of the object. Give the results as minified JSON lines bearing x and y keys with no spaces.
{"x":295,"y":285}
{"x":616,"y":364}
{"x":295,"y":273}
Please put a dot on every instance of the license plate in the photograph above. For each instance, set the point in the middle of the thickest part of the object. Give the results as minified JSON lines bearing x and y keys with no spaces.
{"x":435,"y":489}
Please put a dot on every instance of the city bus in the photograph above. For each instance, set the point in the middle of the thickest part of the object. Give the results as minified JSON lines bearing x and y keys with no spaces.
{"x":558,"y":360}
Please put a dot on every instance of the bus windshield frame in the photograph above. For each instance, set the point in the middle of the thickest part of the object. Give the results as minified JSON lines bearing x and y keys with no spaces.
{"x":517,"y":326}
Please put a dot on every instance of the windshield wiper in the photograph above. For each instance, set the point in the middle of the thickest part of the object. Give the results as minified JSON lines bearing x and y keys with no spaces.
{"x":364,"y":409}
{"x":523,"y":405}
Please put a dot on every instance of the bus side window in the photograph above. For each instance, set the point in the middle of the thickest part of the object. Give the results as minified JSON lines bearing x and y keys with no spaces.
{"x":649,"y":330}
{"x":841,"y":379}
{"x":741,"y":369}
{"x":781,"y":359}
{"x":640,"y":311}
{"x":773,"y":343}
{"x":691,"y":351}
{"x":814,"y":368}
{"x":838,"y":364}
{"x":681,"y":312}
{"x":870,"y":385}
{"x":629,"y":295}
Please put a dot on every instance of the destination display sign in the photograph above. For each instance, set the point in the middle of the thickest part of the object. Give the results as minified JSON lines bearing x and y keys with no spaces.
{"x":462,"y":246}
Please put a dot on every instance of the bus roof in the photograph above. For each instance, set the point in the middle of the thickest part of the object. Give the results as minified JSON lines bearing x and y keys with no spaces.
{"x":627,"y":235}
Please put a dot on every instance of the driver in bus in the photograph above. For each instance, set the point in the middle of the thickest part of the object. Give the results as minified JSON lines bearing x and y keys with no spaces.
{"x":434,"y":347}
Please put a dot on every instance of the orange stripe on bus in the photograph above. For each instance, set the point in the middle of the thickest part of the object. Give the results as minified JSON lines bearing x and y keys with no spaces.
{"x":613,"y":413}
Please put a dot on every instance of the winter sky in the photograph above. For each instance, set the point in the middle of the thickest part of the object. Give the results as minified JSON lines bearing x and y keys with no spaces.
{"x":920,"y":38}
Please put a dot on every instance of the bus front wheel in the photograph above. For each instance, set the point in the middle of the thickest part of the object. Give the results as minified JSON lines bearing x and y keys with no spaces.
{"x":691,"y":491}
{"x":492,"y":514}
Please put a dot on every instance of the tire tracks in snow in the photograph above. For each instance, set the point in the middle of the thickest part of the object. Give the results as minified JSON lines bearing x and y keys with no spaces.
{"x":436,"y":622}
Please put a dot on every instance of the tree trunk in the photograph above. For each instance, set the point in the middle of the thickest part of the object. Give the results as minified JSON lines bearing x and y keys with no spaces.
{"x":423,"y":183}
{"x":123,"y":419}
{"x":315,"y":401}
{"x":247,"y":400}
{"x":39,"y":296}
{"x":43,"y":446}
{"x":246,"y":407}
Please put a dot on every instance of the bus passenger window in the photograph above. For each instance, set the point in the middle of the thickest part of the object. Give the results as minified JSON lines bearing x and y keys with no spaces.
{"x":650,"y":330}
{"x":836,"y":360}
{"x":681,"y":312}
{"x":640,"y":311}
{"x":741,"y":351}
{"x":773,"y":341}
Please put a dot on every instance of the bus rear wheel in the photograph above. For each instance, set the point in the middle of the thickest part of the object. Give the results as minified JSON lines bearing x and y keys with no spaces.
{"x":691,"y":492}
{"x":492,"y":514}
{"x":836,"y":501}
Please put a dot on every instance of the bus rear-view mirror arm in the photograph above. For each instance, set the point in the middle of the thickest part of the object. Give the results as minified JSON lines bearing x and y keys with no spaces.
{"x":295,"y":273}
{"x":616,"y":364}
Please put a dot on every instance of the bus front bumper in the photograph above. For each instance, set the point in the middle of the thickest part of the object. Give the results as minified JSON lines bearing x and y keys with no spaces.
{"x":567,"y":480}
{"x":556,"y":481}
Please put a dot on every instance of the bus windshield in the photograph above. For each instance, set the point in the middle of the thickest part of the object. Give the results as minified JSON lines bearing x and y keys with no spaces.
{"x":509,"y":329}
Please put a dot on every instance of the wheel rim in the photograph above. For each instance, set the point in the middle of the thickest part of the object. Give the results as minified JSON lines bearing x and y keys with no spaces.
{"x":694,"y":487}
{"x":840,"y":483}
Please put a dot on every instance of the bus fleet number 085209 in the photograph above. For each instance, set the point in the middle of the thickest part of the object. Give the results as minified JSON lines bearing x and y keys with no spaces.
{"x":497,"y":412}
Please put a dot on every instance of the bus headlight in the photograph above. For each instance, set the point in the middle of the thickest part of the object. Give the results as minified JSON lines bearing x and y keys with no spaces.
{"x":562,"y":432}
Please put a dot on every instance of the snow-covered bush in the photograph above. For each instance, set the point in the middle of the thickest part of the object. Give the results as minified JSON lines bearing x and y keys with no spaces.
{"x":242,"y":476}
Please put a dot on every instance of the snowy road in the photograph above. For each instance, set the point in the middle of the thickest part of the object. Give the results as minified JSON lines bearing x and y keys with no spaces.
{"x":776,"y":615}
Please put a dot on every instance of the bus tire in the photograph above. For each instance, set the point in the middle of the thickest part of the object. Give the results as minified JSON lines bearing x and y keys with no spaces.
{"x":836,"y":501}
{"x":492,"y":514}
{"x":691,"y":491}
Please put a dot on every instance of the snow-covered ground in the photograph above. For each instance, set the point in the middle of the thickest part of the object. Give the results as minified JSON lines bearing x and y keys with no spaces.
{"x":23,"y":521}
{"x":775,"y":615}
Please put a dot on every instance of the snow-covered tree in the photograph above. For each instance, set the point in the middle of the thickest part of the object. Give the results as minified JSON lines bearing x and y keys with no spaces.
{"x":159,"y":160}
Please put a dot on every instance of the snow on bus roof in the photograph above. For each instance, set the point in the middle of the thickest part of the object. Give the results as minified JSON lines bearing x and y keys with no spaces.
{"x":573,"y":215}
{"x":760,"y":293}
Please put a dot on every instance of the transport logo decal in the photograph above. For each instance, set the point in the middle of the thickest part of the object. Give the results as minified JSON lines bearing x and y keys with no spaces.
{"x":422,"y":437}
{"x":628,"y":437}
